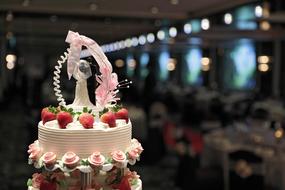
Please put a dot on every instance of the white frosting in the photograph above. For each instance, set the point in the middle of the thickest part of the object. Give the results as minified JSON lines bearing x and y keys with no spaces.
{"x":84,"y":142}
{"x":138,"y":186}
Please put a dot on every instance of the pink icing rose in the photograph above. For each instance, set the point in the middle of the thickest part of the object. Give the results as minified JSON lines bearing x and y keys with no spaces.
{"x":35,"y":153}
{"x":137,"y":145}
{"x":118,"y":156}
{"x":96,"y":159}
{"x":49,"y":158}
{"x":31,"y":148}
{"x":133,"y":154}
{"x":70,"y":159}
{"x":139,"y":149}
{"x":37,"y":180}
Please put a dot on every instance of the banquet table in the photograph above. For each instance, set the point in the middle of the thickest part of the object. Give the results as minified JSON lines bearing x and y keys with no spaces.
{"x":220,"y":142}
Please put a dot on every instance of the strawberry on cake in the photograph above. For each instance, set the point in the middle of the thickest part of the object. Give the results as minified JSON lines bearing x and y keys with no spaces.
{"x":82,"y":145}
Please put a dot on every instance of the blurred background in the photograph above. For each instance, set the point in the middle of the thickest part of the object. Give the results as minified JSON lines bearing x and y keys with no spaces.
{"x":207,"y":100}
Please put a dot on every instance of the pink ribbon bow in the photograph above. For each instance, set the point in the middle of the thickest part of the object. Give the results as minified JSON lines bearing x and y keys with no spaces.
{"x":76,"y":42}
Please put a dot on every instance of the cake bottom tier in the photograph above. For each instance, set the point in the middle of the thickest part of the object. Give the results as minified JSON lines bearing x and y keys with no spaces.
{"x":116,"y":179}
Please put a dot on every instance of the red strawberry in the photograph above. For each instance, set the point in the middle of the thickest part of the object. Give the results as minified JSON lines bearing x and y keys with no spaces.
{"x":123,"y":114}
{"x":109,"y":118}
{"x":45,"y":185}
{"x":86,"y":120}
{"x":64,"y":118}
{"x":124,"y":185}
{"x":47,"y":115}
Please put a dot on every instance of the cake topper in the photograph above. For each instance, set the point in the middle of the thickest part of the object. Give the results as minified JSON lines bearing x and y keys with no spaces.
{"x":108,"y":81}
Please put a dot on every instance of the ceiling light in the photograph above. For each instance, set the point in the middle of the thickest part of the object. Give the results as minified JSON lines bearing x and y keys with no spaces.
{"x":263,"y":59}
{"x":10,"y":65}
{"x":205,"y":61}
{"x":154,"y":10}
{"x":116,"y":46}
{"x":119,"y":63}
{"x":9,"y":16}
{"x":150,"y":37}
{"x":171,"y":65}
{"x":26,"y":3}
{"x":103,"y":48}
{"x":265,"y":25}
{"x":258,"y":11}
{"x":142,"y":40}
{"x":128,"y":42}
{"x":108,"y":48}
{"x":263,"y":67}
{"x":161,"y":35}
{"x":228,"y":18}
{"x":187,"y":28}
{"x":135,"y":41}
{"x":279,"y":133}
{"x":174,"y":2}
{"x":132,"y":64}
{"x":93,"y":7}
{"x":205,"y":24}
{"x":111,"y":47}
{"x":11,"y":58}
{"x":172,"y":32}
{"x":122,"y":44}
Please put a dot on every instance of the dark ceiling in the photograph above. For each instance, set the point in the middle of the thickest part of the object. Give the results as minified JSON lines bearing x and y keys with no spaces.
{"x":37,"y":22}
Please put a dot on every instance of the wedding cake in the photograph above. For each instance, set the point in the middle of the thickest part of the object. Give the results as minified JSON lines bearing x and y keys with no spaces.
{"x":80,"y":145}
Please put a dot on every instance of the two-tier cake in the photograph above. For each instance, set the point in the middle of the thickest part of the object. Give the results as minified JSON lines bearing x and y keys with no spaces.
{"x":83,"y":146}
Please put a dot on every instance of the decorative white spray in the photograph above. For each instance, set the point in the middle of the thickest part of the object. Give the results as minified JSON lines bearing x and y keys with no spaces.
{"x":56,"y":78}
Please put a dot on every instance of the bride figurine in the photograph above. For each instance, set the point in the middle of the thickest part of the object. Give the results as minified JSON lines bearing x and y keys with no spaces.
{"x":82,"y":72}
